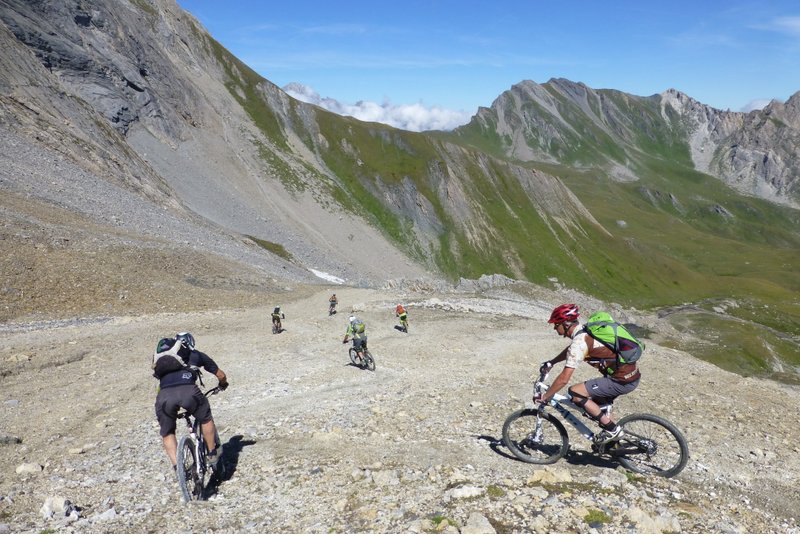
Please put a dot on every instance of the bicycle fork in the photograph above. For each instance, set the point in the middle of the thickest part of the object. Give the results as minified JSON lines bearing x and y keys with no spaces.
{"x":536,"y":437}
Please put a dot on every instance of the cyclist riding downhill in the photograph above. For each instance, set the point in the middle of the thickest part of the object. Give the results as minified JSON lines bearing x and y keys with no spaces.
{"x":277,"y":317}
{"x":332,"y":302}
{"x":620,"y":377}
{"x":401,"y":313}
{"x":177,"y":366}
{"x":357,"y":330}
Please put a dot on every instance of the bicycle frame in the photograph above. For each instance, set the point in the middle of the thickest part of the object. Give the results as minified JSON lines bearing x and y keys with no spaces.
{"x":196,"y":433}
{"x":562,"y":404}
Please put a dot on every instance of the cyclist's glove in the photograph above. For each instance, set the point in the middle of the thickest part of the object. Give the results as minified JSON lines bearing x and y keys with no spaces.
{"x":223,"y":385}
{"x":545,"y":367}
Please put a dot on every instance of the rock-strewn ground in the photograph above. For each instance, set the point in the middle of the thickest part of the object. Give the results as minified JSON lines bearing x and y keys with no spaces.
{"x":316,"y":445}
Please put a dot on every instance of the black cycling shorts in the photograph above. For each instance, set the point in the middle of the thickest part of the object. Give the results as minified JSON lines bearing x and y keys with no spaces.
{"x":171,"y":399}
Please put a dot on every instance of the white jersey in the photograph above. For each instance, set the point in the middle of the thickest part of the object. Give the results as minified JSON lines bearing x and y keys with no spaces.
{"x":578,"y":349}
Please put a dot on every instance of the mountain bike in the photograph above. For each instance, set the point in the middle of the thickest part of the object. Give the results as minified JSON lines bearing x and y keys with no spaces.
{"x":193,"y":471}
{"x":332,"y":309}
{"x":365,"y":362}
{"x":404,"y":325}
{"x":277,"y":327}
{"x":648,"y":445}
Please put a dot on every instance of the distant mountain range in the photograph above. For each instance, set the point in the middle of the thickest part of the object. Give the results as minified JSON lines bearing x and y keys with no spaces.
{"x":571,"y":124}
{"x":651,"y":201}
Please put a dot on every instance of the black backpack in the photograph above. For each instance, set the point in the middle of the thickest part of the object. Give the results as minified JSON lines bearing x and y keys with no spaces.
{"x":167,"y":358}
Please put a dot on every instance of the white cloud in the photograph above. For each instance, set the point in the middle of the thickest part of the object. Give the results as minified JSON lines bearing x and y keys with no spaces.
{"x":413,"y":117}
{"x":788,"y":24}
{"x":759,"y":103}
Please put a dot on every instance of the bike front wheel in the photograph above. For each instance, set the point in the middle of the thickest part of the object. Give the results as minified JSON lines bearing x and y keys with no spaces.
{"x":535,"y":438}
{"x":355,"y":359}
{"x":189,"y":479}
{"x":651,"y":445}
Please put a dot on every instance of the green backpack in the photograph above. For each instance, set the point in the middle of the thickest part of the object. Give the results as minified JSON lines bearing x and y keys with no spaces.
{"x":602,"y":327}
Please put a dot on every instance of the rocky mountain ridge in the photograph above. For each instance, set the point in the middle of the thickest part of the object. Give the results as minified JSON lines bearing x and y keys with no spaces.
{"x":137,"y":95}
{"x":192,"y":125}
{"x":750,"y":152}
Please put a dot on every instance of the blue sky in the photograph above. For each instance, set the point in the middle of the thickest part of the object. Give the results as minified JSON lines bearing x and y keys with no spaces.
{"x":427,"y":63}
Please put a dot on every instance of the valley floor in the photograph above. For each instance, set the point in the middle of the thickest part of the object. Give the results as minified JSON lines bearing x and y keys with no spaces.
{"x":317,"y":445}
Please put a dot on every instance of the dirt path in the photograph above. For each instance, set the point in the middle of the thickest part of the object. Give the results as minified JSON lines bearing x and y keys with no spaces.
{"x":317,"y":445}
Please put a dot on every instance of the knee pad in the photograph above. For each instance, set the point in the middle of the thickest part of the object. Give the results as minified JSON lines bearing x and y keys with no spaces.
{"x":578,"y":399}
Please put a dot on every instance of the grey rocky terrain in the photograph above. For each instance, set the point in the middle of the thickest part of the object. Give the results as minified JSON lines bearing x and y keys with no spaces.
{"x":317,"y":445}
{"x":132,"y":188}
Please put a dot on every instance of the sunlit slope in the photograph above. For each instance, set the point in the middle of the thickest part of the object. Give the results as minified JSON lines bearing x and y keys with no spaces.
{"x":673,"y":234}
{"x":679,"y":235}
{"x":614,"y":207}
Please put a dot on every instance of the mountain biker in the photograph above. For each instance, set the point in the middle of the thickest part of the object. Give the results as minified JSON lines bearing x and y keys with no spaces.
{"x":358,"y":331}
{"x":277,"y":315}
{"x":176,"y":364}
{"x":617,"y":379}
{"x":400,"y":312}
{"x":333,"y":302}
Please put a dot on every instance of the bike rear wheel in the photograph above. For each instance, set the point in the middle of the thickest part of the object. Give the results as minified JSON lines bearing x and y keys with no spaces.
{"x":651,"y":445}
{"x":354,"y":357}
{"x":369,"y":361}
{"x":189,"y":479}
{"x":535,"y":438}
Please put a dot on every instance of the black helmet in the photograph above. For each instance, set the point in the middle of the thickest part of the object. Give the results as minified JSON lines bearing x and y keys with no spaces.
{"x":186,"y":339}
{"x":277,"y":309}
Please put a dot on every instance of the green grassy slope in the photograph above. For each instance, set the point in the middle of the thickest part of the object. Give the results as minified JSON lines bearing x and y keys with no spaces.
{"x":677,"y":235}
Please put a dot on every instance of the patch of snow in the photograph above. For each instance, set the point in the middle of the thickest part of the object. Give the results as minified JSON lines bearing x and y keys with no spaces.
{"x":326,"y":276}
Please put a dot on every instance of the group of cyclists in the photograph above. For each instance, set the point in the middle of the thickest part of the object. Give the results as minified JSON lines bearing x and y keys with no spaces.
{"x":177,"y":363}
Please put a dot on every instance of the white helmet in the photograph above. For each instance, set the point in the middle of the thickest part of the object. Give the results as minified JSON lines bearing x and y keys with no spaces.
{"x":186,"y":339}
{"x":352,"y":319}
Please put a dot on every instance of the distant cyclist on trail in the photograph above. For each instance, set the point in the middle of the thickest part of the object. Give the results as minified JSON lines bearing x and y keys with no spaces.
{"x":617,"y":379}
{"x":277,"y":316}
{"x":176,"y":364}
{"x":400,"y":312}
{"x":332,"y":302}
{"x":358,"y":331}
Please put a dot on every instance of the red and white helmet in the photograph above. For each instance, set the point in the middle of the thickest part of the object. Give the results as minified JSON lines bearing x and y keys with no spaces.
{"x":566,"y":313}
